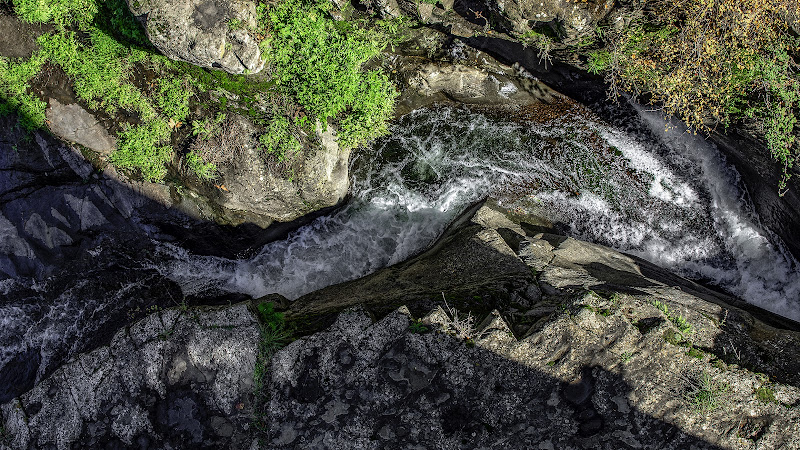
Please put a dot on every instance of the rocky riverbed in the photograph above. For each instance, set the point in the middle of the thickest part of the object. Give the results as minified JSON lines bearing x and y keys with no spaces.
{"x":420,"y":313}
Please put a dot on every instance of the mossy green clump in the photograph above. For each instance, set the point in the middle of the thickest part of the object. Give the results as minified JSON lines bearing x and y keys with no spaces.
{"x":695,"y":353}
{"x":274,"y":336}
{"x":765,"y":394}
{"x":319,"y":61}
{"x":417,"y":327}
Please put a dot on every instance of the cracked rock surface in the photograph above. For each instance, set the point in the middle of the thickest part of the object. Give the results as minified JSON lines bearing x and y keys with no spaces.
{"x":586,"y":348}
{"x":176,"y":379}
{"x":215,"y":34}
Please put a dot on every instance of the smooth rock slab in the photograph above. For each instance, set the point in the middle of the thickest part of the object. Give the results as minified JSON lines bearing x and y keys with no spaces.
{"x":75,"y":124}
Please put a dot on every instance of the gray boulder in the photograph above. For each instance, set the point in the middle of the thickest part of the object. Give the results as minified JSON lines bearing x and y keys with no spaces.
{"x":74,"y":124}
{"x":177,"y":379}
{"x":576,"y":17}
{"x":255,"y":188}
{"x":209,"y":33}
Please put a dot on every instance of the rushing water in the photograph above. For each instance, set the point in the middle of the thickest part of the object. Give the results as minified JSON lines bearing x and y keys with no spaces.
{"x":664,"y":195}
{"x":671,"y":200}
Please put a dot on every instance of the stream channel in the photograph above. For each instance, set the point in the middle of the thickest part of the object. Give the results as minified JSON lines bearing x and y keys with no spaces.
{"x":654,"y":191}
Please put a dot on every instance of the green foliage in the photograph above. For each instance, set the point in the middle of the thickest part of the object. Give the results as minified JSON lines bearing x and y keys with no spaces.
{"x":599,"y":61}
{"x":172,"y":97}
{"x":417,"y":327}
{"x":679,"y":321}
{"x":704,"y":394}
{"x":541,"y":41}
{"x":105,"y":52}
{"x":61,"y":12}
{"x":673,"y":337}
{"x":765,"y":394}
{"x":196,"y":165}
{"x":278,"y":140}
{"x":206,"y":128}
{"x":115,"y":17}
{"x":14,"y":84}
{"x":274,"y":335}
{"x":234,"y":24}
{"x":319,"y":61}
{"x":695,"y":353}
{"x":100,"y":71}
{"x":143,"y":148}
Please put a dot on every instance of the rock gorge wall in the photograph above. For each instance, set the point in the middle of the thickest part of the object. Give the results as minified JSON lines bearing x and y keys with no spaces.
{"x":526,"y":339}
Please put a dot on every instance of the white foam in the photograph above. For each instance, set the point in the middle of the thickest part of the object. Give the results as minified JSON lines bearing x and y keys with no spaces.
{"x":677,"y":206}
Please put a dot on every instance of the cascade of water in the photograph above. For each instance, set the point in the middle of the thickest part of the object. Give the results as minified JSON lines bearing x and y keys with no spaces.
{"x":665,"y":196}
{"x":672,"y":201}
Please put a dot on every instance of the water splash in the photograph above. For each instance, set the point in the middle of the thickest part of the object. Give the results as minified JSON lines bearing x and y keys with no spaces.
{"x":671,"y":200}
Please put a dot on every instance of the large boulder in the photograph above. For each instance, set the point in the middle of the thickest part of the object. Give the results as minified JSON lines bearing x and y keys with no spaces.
{"x":177,"y":379}
{"x":209,"y":33}
{"x":258,"y":188}
{"x":573,"y":17}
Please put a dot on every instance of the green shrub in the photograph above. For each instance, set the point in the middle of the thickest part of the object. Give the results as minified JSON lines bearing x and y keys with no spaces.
{"x":319,"y":62}
{"x":144,"y":148}
{"x":196,"y":165}
{"x":274,"y":335}
{"x":14,"y":84}
{"x":172,"y":97}
{"x":278,"y":140}
{"x":765,"y":394}
{"x":61,"y":12}
{"x":705,"y":394}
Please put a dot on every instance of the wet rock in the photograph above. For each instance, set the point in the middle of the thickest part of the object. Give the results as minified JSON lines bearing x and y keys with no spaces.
{"x":575,"y":18}
{"x":435,"y":68}
{"x":175,"y":379}
{"x":208,"y":33}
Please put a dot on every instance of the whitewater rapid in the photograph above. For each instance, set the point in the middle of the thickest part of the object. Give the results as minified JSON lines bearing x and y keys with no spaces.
{"x":666,"y":196}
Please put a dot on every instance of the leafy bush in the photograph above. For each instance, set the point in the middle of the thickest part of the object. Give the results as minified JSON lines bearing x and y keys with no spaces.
{"x":711,"y":62}
{"x":319,"y":61}
{"x":278,"y":140}
{"x":143,"y":148}
{"x":196,"y":165}
{"x":172,"y":97}
{"x":61,"y":12}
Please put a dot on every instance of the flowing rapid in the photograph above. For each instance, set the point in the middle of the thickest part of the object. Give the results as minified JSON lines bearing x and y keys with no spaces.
{"x":671,"y":200}
{"x":654,"y":191}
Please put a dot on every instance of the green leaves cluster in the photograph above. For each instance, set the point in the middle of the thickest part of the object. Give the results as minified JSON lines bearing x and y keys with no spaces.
{"x":319,"y":61}
{"x":61,"y":12}
{"x":15,"y":76}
